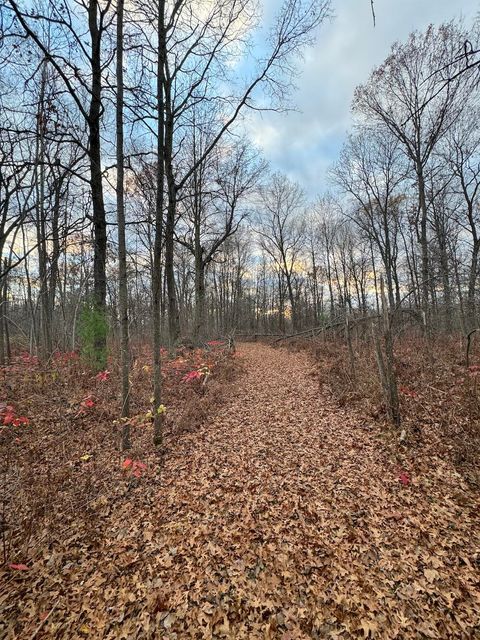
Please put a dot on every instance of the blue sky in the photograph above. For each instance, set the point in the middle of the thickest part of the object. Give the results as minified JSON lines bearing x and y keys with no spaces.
{"x":304,"y":144}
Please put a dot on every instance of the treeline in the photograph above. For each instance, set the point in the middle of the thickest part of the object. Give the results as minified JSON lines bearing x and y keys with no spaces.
{"x":121,"y":141}
{"x":133,"y":204}
{"x":129,"y":118}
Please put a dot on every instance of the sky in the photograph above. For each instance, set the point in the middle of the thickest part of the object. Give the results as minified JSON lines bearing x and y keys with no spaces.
{"x":304,"y":144}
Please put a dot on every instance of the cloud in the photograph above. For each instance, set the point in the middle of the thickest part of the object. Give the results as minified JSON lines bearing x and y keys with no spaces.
{"x":304,"y":143}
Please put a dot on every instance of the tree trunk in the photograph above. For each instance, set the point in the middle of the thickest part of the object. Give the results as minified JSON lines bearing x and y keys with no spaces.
{"x":56,"y":252}
{"x":199,"y":326}
{"x":157,"y":251}
{"x":291,"y":297}
{"x":472,"y":284}
{"x":122,"y":249}
{"x":3,"y":310}
{"x":173,"y":314}
{"x":424,"y":248}
{"x":96,"y":183}
{"x":45,"y":328}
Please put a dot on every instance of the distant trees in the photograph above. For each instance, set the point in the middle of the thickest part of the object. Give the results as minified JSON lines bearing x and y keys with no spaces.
{"x":281,"y":230}
{"x":213,"y":207}
{"x":409,"y":184}
{"x":461,"y":155}
{"x":130,"y":148}
{"x":58,"y":33}
{"x":371,"y":171}
{"x":197,"y":71}
{"x":122,"y":140}
{"x":403,"y":95}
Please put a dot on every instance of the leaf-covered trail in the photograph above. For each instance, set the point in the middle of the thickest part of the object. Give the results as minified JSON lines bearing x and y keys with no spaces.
{"x":282,"y":518}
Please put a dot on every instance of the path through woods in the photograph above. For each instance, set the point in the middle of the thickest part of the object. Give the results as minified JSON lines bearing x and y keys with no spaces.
{"x":285,"y":517}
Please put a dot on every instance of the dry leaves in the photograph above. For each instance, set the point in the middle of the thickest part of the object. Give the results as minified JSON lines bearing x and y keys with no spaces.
{"x":280,"y":517}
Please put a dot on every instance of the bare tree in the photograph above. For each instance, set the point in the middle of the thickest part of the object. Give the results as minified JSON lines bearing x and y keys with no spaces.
{"x":81,"y":71}
{"x":402,"y":94}
{"x":214,"y":207}
{"x":462,"y":155}
{"x":281,"y":231}
{"x":370,"y":170}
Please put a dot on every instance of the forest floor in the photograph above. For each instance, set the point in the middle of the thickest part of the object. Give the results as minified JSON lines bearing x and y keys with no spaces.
{"x":284,"y":516}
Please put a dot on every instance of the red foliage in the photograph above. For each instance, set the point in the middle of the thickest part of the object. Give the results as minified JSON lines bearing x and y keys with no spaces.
{"x":135,"y":467}
{"x":7,"y":414}
{"x":21,"y":421}
{"x":193,"y":375}
{"x":408,"y":392}
{"x":28,"y":359}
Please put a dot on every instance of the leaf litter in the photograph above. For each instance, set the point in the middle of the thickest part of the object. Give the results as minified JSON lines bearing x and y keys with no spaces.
{"x":281,"y":516}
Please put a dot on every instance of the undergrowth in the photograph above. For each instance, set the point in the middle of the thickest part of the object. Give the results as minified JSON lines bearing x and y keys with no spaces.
{"x":64,"y":461}
{"x":439,"y":395}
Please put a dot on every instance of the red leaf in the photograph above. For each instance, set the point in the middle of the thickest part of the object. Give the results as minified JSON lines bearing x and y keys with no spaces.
{"x":135,"y":467}
{"x":21,"y":420}
{"x":193,"y":375}
{"x":19,"y":567}
{"x":103,"y":376}
{"x":408,"y":392}
{"x":404,"y":478}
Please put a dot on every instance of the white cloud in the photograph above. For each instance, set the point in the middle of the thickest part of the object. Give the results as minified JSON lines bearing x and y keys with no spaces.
{"x":304,"y":143}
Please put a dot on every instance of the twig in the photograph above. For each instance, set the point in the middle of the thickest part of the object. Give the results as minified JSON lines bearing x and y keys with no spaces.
{"x":34,"y":634}
{"x":429,"y":386}
{"x":312,"y":331}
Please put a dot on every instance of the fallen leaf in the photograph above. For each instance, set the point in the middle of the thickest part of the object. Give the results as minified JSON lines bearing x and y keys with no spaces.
{"x":19,"y":567}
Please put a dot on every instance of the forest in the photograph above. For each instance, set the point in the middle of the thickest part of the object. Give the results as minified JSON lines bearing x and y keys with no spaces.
{"x":230,"y":408}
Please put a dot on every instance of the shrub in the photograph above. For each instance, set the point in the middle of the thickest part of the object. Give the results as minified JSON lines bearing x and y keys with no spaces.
{"x":93,"y":329}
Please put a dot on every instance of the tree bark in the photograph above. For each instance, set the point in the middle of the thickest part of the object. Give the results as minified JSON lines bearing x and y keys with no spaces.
{"x":96,"y":182}
{"x":157,"y":251}
{"x":425,"y":266}
{"x":122,"y":248}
